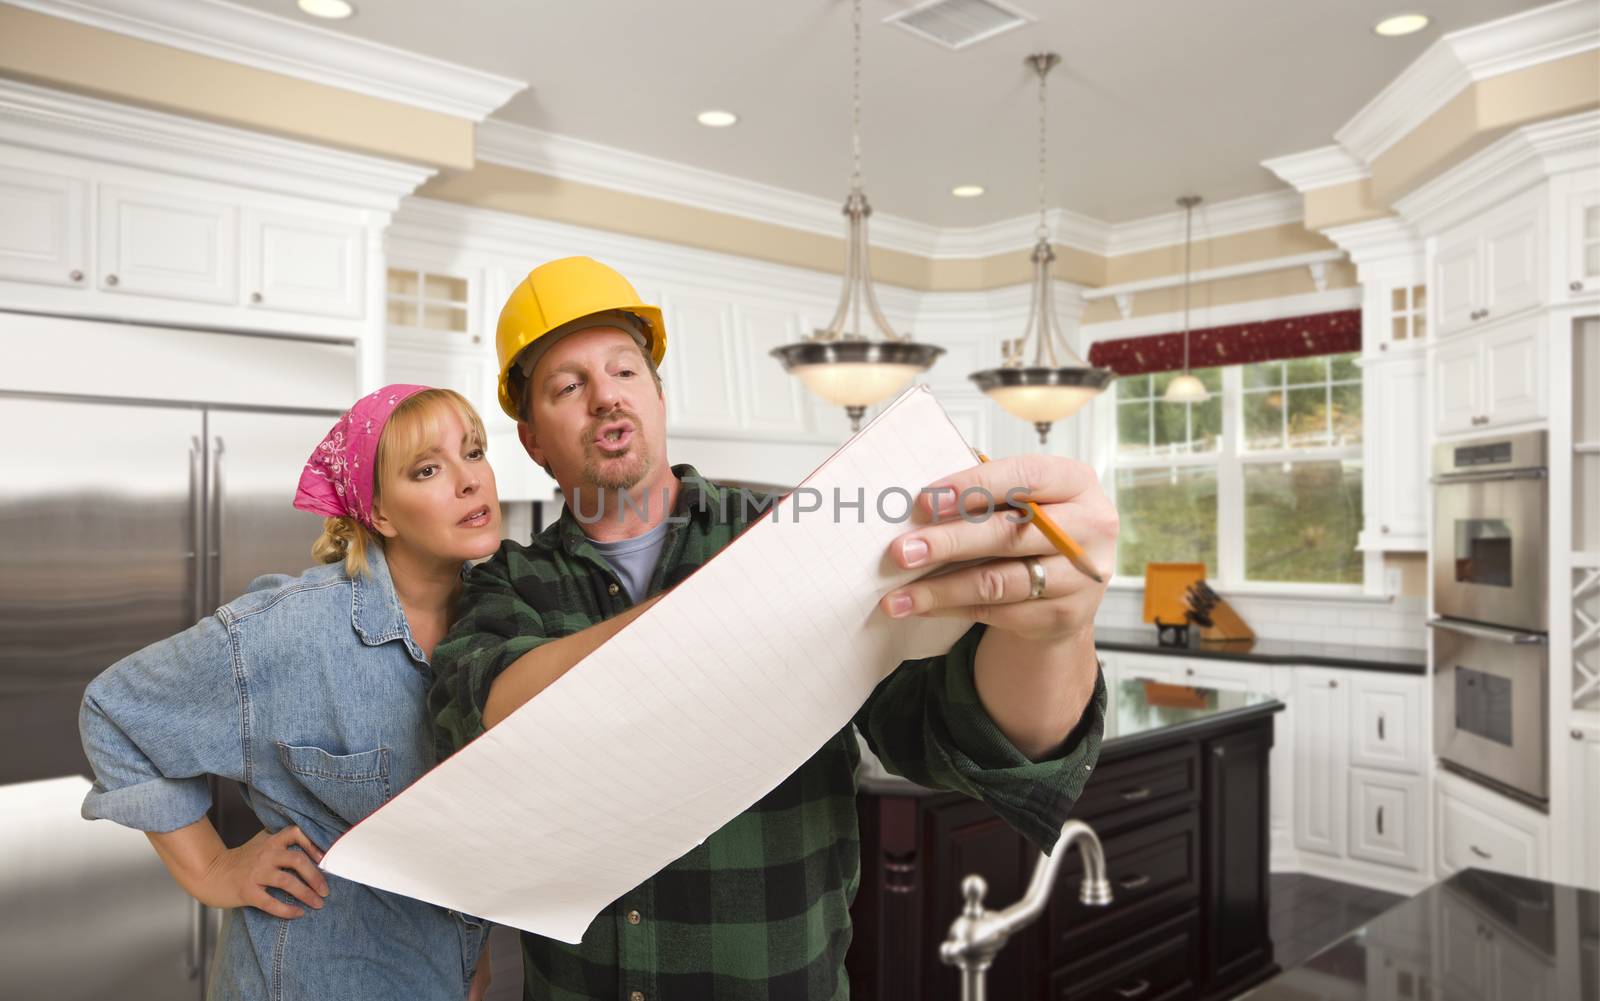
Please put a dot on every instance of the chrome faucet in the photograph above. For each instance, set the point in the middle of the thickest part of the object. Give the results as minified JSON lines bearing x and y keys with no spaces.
{"x":978,"y":934}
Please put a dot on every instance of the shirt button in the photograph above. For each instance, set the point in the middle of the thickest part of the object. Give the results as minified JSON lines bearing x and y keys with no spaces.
{"x":634,"y":917}
{"x":612,"y":590}
{"x":636,"y":996}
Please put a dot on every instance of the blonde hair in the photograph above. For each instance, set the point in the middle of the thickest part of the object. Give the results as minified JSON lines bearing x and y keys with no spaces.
{"x":410,"y":429}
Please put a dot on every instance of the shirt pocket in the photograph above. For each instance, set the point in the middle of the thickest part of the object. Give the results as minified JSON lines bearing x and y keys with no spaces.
{"x":351,"y":785}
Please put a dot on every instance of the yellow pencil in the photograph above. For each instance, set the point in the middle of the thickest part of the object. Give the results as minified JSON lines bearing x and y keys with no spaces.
{"x":1060,"y":539}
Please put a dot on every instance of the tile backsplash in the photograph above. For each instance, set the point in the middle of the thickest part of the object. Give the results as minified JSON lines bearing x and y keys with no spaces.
{"x":1397,"y":622}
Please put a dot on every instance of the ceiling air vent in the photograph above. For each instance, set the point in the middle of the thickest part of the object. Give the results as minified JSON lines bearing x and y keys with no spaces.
{"x":956,"y":24}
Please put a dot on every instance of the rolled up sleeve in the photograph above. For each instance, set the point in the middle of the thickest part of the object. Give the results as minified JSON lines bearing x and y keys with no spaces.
{"x":496,"y":626}
{"x":156,"y":723}
{"x":926,"y":723}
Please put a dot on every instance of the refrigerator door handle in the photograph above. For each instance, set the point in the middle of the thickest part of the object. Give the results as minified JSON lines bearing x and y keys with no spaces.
{"x":197,"y":941}
{"x":197,"y":544}
{"x":216,"y":523}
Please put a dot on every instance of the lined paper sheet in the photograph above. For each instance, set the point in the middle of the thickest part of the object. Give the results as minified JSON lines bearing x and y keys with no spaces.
{"x":686,"y":717}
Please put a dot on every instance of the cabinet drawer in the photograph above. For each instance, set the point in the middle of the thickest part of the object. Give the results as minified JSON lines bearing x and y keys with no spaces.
{"x":1474,"y":836}
{"x":1386,"y":818}
{"x":1146,"y":784}
{"x":1159,"y":965}
{"x":1386,"y":722}
{"x":1154,"y":869}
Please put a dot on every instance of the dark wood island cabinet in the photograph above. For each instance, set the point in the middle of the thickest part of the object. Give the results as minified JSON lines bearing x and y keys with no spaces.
{"x":1179,"y":800}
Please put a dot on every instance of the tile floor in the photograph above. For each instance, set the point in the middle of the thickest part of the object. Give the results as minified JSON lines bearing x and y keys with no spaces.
{"x":1308,"y":913}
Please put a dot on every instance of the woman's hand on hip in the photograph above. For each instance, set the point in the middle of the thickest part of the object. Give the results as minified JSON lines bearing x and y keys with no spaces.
{"x":241,"y":877}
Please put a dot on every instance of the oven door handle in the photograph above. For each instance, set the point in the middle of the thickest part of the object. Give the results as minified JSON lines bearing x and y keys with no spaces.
{"x":1509,"y":474}
{"x":1510,"y":636}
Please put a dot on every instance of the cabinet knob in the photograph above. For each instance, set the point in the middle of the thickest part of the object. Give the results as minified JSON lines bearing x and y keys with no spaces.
{"x":1480,"y":852}
{"x":1384,"y":346}
{"x":1333,"y":682}
{"x":1384,"y":529}
{"x":1189,"y":671}
{"x":477,"y":338}
{"x":111,"y":279}
{"x":255,"y":296}
{"x":1575,"y":286}
{"x":1219,"y":752}
{"x":1577,"y":734}
{"x":75,"y":275}
{"x":1380,"y":820}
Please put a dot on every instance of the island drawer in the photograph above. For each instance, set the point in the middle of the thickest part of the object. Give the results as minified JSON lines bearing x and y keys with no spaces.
{"x":1160,"y":965}
{"x":1154,"y":870}
{"x":1143,"y":785}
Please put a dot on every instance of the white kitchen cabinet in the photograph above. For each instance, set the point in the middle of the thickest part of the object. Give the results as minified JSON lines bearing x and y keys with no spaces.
{"x":1387,"y":818}
{"x":1152,"y":667}
{"x":1394,"y":390}
{"x":174,"y":246}
{"x":457,"y":370}
{"x":701,"y":366}
{"x":1321,"y":758}
{"x":1387,"y":714}
{"x":1478,"y":828}
{"x":1583,"y":830}
{"x":1583,"y":243}
{"x":303,"y":265}
{"x":1491,"y":378}
{"x":43,"y":227}
{"x":1491,"y":267}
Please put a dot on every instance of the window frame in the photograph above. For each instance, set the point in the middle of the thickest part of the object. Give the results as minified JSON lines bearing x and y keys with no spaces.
{"x":1229,"y":461}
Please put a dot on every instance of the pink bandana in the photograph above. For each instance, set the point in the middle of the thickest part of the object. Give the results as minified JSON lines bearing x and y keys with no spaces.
{"x":337,"y":480}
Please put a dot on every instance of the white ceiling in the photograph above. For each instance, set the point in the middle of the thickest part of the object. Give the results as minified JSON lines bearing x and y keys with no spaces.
{"x":1153,"y":98}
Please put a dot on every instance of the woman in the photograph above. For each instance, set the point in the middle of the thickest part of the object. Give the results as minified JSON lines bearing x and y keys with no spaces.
{"x":311,"y":691}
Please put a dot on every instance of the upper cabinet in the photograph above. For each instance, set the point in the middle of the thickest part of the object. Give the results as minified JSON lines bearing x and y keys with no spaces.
{"x":43,"y":219}
{"x":1396,"y":489}
{"x":299,"y":264}
{"x":1492,"y":266}
{"x":1579,"y":276}
{"x":1491,"y":379}
{"x":162,"y":243}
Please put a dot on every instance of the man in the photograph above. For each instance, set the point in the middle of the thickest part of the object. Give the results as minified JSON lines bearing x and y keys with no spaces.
{"x":1012,"y":714}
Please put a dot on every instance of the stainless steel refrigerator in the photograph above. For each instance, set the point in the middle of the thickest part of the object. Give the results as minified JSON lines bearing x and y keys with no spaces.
{"x":151,"y":478}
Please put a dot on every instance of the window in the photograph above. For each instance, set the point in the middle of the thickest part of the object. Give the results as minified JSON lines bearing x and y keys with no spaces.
{"x":1261,"y":483}
{"x":1408,"y":309}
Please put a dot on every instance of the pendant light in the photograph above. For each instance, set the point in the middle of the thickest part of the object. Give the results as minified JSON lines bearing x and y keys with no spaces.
{"x":839,"y":363}
{"x":1053,"y":383}
{"x":1186,"y":388}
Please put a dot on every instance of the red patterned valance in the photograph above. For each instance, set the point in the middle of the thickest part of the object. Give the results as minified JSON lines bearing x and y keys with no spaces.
{"x":1237,"y":344}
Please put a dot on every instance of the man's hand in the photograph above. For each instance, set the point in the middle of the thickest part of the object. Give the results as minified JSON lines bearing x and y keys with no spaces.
{"x":996,"y":591}
{"x":1035,"y":667}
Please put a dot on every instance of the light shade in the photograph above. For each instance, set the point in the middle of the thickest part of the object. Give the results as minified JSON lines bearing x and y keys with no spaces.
{"x":1186,"y":389}
{"x":856,"y":384}
{"x":1042,"y":404}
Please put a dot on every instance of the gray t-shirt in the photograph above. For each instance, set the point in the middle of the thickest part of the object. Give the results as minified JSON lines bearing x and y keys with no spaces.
{"x":635,"y":559}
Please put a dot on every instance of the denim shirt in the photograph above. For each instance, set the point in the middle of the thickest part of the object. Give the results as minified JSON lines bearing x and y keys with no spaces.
{"x":311,"y":692}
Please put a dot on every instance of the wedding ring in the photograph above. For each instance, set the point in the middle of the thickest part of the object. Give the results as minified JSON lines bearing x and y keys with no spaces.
{"x":1036,"y":574}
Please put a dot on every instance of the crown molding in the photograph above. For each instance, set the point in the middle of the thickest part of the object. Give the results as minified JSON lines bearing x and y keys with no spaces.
{"x":1217,"y":316}
{"x":1462,"y":58}
{"x":1323,"y":167}
{"x":1377,"y":240}
{"x":587,"y":162}
{"x":1211,"y":221}
{"x":294,"y":48}
{"x":1517,"y":161}
{"x":60,"y":122}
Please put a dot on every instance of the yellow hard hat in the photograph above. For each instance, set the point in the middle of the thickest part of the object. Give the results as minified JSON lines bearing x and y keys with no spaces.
{"x":556,"y":294}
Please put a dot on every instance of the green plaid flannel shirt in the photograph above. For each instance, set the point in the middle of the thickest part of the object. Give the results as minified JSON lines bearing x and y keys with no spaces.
{"x":760,"y":910}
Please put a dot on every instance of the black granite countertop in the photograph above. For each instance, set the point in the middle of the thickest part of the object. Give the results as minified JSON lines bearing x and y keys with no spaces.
{"x":1135,"y":717}
{"x":1477,"y":935}
{"x":1395,"y":660}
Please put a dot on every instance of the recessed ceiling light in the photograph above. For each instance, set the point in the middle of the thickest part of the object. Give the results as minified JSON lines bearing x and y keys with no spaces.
{"x":967,"y":190}
{"x":1401,"y":24}
{"x":333,"y":10}
{"x":716,"y":119}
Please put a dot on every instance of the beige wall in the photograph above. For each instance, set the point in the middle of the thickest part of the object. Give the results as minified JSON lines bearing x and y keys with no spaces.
{"x":1413,"y":569}
{"x":70,"y":56}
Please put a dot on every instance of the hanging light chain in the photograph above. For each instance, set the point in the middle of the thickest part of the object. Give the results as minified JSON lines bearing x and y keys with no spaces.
{"x":1043,"y":65}
{"x":855,"y":100}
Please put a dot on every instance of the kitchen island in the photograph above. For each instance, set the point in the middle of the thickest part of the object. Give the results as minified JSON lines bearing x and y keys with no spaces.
{"x":1179,"y":800}
{"x":1477,"y":936}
